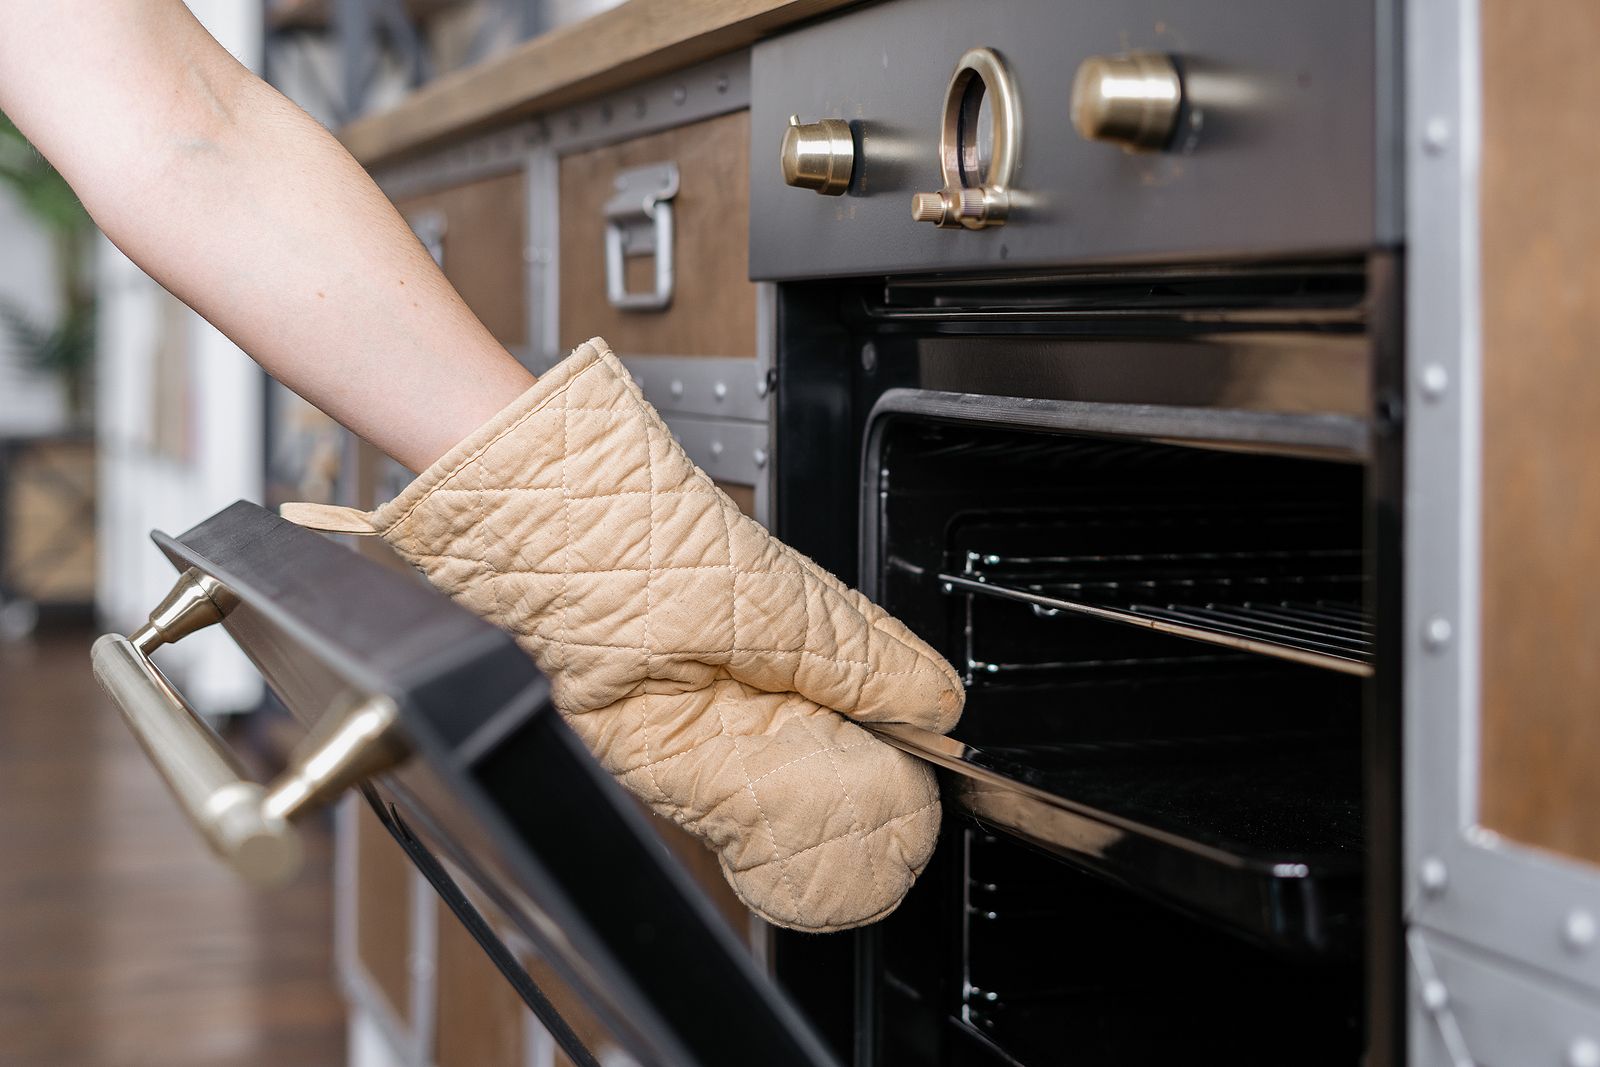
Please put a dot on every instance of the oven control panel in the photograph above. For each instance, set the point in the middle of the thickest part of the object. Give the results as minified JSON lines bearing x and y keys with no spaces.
{"x":1021,"y":134}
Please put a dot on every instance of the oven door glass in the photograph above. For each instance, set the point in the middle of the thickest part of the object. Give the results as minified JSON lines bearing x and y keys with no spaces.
{"x":496,"y":784}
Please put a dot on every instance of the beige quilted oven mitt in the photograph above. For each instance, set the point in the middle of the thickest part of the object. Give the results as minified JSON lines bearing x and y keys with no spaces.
{"x":703,"y":661}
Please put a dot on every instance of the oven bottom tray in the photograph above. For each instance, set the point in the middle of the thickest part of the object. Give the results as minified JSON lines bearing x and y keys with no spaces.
{"x":1260,"y":833}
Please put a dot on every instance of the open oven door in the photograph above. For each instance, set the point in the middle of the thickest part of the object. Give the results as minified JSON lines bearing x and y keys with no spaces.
{"x":451,"y":726}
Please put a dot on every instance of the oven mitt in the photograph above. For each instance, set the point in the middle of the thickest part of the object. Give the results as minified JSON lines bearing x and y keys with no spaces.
{"x":711,"y":668}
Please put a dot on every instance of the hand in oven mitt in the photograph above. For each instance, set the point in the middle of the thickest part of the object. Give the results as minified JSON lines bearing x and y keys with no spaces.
{"x":711,"y":668}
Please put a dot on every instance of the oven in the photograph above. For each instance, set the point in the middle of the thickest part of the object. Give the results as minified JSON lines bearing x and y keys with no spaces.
{"x":1087,"y":337}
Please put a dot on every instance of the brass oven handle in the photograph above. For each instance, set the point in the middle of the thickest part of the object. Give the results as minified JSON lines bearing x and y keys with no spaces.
{"x":246,"y":824}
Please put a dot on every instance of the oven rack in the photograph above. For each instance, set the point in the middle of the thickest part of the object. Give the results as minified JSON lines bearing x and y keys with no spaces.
{"x":1261,"y":832}
{"x":1301,"y":605}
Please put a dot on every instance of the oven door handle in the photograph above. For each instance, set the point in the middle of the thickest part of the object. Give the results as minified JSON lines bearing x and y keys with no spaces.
{"x":248,"y":825}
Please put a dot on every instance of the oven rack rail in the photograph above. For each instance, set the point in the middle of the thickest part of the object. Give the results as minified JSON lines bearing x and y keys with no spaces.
{"x":1242,"y":601}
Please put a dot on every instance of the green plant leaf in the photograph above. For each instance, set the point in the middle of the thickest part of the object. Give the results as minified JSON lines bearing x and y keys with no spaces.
{"x":65,"y":349}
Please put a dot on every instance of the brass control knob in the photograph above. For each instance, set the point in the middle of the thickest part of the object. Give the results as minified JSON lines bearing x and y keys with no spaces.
{"x":1131,"y":100}
{"x":818,"y":155}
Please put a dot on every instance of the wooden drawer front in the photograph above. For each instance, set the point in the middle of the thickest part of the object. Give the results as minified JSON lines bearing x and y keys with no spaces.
{"x":713,"y":310}
{"x":481,"y":1021}
{"x":482,"y":231}
{"x":383,"y":913}
{"x":1540,"y":738}
{"x":47,"y":511}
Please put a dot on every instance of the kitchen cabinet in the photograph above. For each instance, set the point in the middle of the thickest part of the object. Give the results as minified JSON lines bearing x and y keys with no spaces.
{"x":476,"y":231}
{"x":713,"y":306}
{"x":484,"y":226}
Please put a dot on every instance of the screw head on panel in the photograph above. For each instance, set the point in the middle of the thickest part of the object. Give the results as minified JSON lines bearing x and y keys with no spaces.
{"x":1579,"y":929}
{"x":760,"y":456}
{"x":1433,"y":876}
{"x":1434,"y":995}
{"x":676,"y":388}
{"x":1436,"y":135}
{"x":719,"y":390}
{"x":1434,"y":380}
{"x":1436,"y":633}
{"x":1583,"y":1052}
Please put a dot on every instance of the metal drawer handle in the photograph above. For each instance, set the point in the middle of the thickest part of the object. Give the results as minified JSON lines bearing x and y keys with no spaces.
{"x":246,"y":824}
{"x":639,"y":223}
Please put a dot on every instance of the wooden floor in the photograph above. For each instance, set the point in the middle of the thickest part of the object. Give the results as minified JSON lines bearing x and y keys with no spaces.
{"x":121,"y":941}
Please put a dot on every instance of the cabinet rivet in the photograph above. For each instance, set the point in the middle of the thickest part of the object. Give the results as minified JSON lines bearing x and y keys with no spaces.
{"x":719,"y":390}
{"x":760,"y":456}
{"x":1434,"y":381}
{"x":679,"y":94}
{"x":1436,"y":634}
{"x":869,"y":357}
{"x":1579,"y":929}
{"x":1434,"y":995}
{"x":762,"y":388}
{"x":1583,"y":1052}
{"x":1436,"y":135}
{"x":716,"y":448}
{"x":676,"y":388}
{"x":1433,"y":876}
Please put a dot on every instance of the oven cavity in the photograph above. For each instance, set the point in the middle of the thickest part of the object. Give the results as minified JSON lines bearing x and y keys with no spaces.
{"x":1164,"y":648}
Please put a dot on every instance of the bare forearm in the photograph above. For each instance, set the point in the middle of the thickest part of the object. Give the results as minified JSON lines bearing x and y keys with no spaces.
{"x":239,"y":203}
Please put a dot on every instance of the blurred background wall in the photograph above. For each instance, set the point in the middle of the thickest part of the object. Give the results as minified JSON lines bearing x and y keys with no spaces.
{"x":31,"y":401}
{"x":179,"y":421}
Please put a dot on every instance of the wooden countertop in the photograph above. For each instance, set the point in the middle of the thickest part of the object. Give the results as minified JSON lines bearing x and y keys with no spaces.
{"x":637,"y":40}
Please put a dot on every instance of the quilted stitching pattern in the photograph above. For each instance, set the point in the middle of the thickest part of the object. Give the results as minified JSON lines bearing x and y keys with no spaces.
{"x":702,"y":660}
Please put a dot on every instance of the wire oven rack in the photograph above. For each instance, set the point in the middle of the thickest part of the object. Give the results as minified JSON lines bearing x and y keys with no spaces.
{"x":1303,"y":605}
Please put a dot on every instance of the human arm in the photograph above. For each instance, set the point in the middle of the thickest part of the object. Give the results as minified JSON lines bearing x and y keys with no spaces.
{"x":249,"y":211}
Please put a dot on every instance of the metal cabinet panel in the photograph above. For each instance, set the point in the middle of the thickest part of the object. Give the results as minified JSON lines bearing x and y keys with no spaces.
{"x":1475,"y":330}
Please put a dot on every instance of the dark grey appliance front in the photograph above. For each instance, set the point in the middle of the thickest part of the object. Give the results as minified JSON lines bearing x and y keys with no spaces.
{"x":1277,"y":148}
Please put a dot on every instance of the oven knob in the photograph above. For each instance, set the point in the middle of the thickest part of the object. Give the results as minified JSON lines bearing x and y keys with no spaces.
{"x":818,"y":155}
{"x":1131,"y":100}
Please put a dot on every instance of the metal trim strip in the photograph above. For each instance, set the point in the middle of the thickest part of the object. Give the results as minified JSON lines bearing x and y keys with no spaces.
{"x":704,"y":91}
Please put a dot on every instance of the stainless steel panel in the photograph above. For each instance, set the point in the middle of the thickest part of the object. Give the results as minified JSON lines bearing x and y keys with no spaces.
{"x":1477,"y":1010}
{"x":1277,"y":146}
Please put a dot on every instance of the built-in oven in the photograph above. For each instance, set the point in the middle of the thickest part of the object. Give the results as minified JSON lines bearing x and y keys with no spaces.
{"x":1087,"y":341}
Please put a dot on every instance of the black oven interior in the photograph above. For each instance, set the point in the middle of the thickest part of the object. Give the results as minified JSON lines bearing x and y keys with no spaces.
{"x":1170,"y":745}
{"x":1165,"y":846}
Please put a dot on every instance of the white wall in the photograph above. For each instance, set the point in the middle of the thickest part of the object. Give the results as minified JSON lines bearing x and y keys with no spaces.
{"x":30,"y":403}
{"x":143,"y":486}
